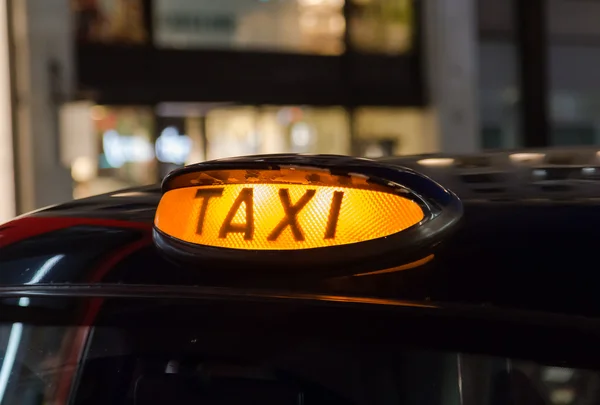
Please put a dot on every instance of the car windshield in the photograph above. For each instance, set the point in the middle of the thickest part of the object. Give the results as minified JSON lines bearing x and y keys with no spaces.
{"x":156,"y":351}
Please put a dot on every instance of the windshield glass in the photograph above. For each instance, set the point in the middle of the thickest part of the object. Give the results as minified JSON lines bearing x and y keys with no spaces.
{"x":118,"y":368}
{"x":157,"y":351}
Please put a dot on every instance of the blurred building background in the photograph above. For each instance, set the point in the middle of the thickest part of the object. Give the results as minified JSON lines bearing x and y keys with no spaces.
{"x":538,"y":60}
{"x":106,"y":94}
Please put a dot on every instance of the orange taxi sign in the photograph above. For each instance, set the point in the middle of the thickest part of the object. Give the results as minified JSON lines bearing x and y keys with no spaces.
{"x":261,"y":215}
{"x":301,"y":216}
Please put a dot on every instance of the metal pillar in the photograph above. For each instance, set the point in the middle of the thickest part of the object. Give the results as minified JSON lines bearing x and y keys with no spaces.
{"x":532,"y":51}
{"x":451,"y":59}
{"x":7,"y":172}
{"x":44,"y":78}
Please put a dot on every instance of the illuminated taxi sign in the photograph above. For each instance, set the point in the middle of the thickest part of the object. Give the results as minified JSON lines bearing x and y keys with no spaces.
{"x":272,"y":216}
{"x":314,"y":213}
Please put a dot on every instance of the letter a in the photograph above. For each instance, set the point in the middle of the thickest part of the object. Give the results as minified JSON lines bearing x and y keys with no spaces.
{"x":245,"y":197}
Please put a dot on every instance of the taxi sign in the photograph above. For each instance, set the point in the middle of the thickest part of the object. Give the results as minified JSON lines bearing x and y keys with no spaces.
{"x":266,"y":216}
{"x":319,"y":207}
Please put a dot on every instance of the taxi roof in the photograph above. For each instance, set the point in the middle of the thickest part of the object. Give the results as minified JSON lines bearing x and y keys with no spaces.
{"x":527,"y":240}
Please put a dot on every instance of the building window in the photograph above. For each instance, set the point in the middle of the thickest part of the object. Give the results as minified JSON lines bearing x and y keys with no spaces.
{"x":382,"y":131}
{"x":573,"y":135}
{"x":491,"y":137}
{"x":120,"y":151}
{"x":299,"y":26}
{"x":248,"y":130}
{"x":381,"y":26}
{"x":110,"y":21}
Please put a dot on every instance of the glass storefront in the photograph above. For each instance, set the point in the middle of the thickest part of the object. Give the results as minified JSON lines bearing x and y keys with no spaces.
{"x":573,"y":58}
{"x":124,"y":143}
{"x":135,"y":146}
{"x":257,"y":130}
{"x":573,"y":82}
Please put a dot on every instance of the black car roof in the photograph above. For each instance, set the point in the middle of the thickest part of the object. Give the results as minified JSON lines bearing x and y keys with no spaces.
{"x":522,"y":245}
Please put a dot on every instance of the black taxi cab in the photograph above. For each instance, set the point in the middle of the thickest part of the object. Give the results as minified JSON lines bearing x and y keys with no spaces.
{"x":303,"y":279}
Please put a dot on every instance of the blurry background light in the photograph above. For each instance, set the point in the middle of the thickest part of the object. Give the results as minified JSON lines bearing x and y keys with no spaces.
{"x":171,"y":147}
{"x":322,"y":3}
{"x":120,"y":149}
{"x":526,"y":157}
{"x":374,"y":151}
{"x":562,"y":396}
{"x":98,"y":112}
{"x":301,"y":134}
{"x":84,"y":169}
{"x":436,"y":162}
{"x":557,"y":374}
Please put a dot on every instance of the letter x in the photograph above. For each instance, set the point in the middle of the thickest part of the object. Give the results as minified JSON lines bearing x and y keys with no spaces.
{"x":291,"y":213}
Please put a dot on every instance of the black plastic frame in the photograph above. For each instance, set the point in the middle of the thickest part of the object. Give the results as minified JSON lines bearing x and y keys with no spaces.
{"x":441,"y":207}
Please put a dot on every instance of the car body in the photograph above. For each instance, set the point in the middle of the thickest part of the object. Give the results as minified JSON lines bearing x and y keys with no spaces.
{"x":504,"y":311}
